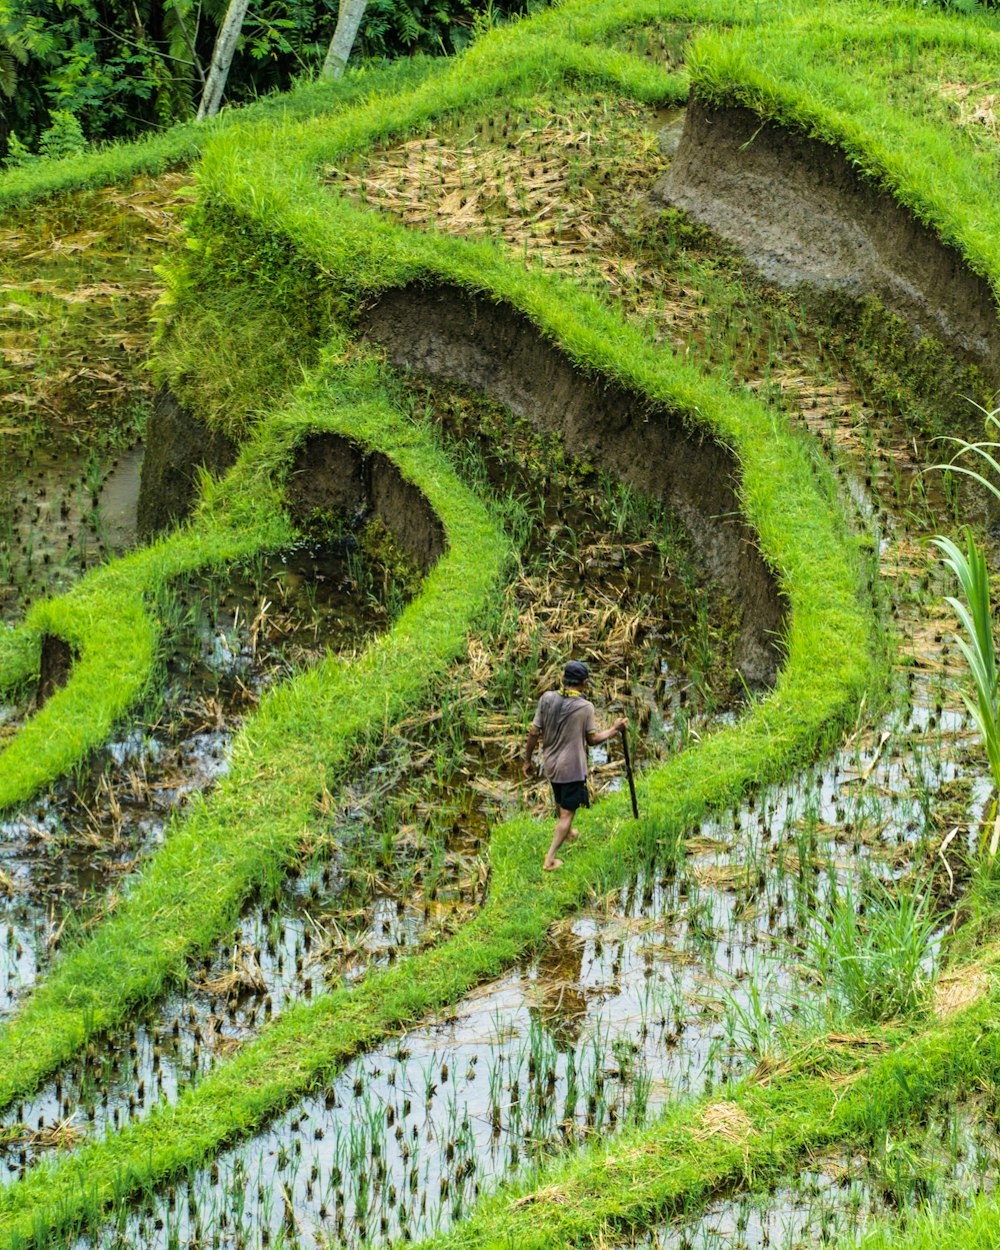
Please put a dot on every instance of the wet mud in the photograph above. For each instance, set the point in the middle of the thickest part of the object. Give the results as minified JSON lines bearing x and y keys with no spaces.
{"x":445,"y":333}
{"x":63,"y":508}
{"x":802,"y":215}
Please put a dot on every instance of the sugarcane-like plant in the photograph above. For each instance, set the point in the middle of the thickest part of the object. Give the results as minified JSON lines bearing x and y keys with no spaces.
{"x":975,"y":614}
{"x":970,"y":568}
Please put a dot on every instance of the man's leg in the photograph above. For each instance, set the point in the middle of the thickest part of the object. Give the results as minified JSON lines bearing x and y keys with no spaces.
{"x":564,"y":824}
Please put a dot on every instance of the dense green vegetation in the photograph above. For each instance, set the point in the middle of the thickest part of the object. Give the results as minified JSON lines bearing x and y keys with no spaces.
{"x":75,"y":74}
{"x":278,"y":256}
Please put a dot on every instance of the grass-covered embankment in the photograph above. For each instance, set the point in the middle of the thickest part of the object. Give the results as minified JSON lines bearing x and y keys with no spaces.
{"x":115,"y":638}
{"x":877,"y":84}
{"x":846,"y":1093}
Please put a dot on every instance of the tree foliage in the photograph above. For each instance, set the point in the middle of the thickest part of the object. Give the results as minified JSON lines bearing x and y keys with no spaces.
{"x":121,"y":67}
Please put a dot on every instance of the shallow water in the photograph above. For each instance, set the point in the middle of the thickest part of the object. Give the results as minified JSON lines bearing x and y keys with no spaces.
{"x":643,"y":998}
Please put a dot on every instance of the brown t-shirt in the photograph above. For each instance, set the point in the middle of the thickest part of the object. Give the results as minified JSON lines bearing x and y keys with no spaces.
{"x":564,"y":722}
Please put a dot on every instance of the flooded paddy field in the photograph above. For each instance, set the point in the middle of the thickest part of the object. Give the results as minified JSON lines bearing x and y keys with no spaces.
{"x":228,"y":638}
{"x":686,"y":976}
{"x":399,"y":857}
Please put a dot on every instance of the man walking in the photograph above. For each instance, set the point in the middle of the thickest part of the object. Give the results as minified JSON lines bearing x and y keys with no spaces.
{"x":565,"y":722}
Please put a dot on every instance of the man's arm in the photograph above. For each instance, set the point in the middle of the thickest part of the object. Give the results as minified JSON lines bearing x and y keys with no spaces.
{"x":596,"y":736}
{"x":530,"y":743}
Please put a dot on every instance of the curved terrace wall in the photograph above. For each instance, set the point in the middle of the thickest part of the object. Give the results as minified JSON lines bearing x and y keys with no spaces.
{"x":446,"y":332}
{"x":804,"y":216}
{"x":329,"y":471}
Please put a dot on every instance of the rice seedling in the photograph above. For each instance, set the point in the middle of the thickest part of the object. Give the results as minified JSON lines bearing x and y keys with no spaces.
{"x":877,"y":962}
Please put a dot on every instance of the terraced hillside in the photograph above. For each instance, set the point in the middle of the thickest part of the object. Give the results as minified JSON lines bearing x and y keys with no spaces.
{"x":631,"y":335}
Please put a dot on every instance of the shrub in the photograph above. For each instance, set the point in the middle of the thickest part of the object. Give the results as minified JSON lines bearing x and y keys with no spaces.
{"x":64,"y":137}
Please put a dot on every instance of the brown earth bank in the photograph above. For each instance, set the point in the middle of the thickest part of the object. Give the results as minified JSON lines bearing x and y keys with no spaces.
{"x":448,"y":334}
{"x":330,"y":473}
{"x":55,"y":667}
{"x":804,"y":217}
{"x":177,"y":445}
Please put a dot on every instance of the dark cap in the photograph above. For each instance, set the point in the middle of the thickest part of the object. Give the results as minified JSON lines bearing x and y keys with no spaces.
{"x":575,"y":673}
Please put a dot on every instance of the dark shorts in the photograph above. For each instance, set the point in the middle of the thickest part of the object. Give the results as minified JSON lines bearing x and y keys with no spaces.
{"x":570,"y":795}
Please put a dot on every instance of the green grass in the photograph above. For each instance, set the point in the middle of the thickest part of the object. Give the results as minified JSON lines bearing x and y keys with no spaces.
{"x":843,"y":77}
{"x":850,"y":76}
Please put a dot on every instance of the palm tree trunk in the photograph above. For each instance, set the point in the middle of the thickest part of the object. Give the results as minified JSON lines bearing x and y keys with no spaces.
{"x":222,"y":58}
{"x":339,"y":52}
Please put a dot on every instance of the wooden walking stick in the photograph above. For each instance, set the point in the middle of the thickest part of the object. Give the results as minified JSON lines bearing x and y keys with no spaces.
{"x":628,"y":774}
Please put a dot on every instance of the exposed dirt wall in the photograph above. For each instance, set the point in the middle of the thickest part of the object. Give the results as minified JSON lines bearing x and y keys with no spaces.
{"x":332,"y":474}
{"x":445,"y":333}
{"x":55,"y":667}
{"x":177,"y":443}
{"x":802,"y":215}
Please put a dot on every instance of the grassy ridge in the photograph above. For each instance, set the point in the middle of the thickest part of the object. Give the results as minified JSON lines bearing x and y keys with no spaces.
{"x":106,"y":621}
{"x":182,"y":144}
{"x":826,"y":1096}
{"x":303,"y":734}
{"x":832,"y":77}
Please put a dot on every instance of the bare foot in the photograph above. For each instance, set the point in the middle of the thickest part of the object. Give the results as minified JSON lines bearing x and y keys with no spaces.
{"x":556,"y":863}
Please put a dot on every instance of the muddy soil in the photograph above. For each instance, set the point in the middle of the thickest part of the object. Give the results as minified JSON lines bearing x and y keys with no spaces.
{"x":178,"y":444}
{"x":803,"y":216}
{"x":330,"y":472}
{"x":449,"y":334}
{"x":63,"y":508}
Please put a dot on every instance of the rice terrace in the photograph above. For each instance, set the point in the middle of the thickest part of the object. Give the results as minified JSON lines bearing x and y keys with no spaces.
{"x":657,"y":336}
